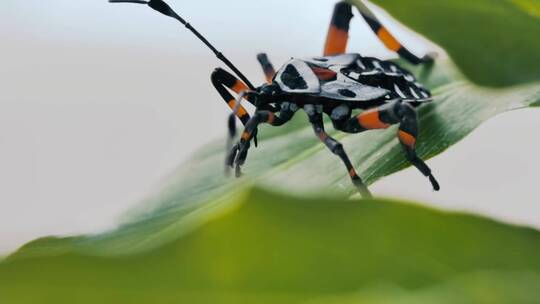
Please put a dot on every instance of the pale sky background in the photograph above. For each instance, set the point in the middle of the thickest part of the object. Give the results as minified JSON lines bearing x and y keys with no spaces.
{"x":98,"y":102}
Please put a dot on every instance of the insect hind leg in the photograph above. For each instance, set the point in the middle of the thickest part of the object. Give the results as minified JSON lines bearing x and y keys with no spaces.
{"x":396,"y":112}
{"x":338,"y":33}
{"x":407,"y":134}
{"x":389,"y":41}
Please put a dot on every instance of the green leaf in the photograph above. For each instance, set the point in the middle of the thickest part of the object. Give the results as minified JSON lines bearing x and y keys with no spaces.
{"x":495,"y":43}
{"x":292,"y":160}
{"x":268,"y":248}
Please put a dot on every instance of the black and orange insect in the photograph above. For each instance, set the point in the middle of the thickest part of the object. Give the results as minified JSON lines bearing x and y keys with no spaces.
{"x":334,"y":84}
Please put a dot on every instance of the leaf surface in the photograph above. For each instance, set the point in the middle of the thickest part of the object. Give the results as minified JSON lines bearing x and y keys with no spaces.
{"x":292,"y":160}
{"x":269,"y":248}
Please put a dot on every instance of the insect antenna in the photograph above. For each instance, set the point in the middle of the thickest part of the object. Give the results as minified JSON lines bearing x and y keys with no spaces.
{"x":164,"y":8}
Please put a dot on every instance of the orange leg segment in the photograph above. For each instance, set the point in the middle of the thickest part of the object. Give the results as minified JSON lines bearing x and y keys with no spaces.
{"x":338,"y":33}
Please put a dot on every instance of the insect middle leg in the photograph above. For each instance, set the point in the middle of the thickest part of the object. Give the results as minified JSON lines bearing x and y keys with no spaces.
{"x":396,"y":112}
{"x":315,"y":118}
{"x":237,"y":156}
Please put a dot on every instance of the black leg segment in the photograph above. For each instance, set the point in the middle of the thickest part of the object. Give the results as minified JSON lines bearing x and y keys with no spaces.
{"x":315,"y":118}
{"x":237,"y":156}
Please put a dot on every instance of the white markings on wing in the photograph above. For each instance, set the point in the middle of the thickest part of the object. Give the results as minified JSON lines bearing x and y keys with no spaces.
{"x":377,"y":65}
{"x":354,"y":75}
{"x":398,"y":90}
{"x":360,"y":64}
{"x":369,"y":73}
{"x":414,"y":93}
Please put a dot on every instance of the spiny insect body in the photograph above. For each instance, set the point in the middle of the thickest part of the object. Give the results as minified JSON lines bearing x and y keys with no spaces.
{"x":334,"y":84}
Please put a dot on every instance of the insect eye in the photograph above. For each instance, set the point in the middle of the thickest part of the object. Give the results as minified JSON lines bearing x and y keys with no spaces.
{"x":270,"y":90}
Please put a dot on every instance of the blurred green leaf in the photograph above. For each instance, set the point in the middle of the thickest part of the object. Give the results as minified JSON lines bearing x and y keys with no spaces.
{"x":495,"y":43}
{"x":268,"y":248}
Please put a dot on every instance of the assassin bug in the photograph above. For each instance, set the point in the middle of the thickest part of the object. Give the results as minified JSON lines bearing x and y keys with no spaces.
{"x":334,"y":84}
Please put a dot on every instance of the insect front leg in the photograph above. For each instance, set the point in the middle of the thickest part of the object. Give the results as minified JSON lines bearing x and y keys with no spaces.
{"x":237,"y":156}
{"x":396,"y":112}
{"x":315,"y":118}
{"x":222,"y":80}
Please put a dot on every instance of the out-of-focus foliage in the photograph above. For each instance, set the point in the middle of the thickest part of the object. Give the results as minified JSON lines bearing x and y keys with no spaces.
{"x":268,"y":248}
{"x":495,"y":43}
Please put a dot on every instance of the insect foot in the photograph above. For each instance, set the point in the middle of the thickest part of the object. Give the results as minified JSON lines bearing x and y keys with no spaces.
{"x":434,"y":182}
{"x":363,"y":189}
{"x":231,"y":157}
